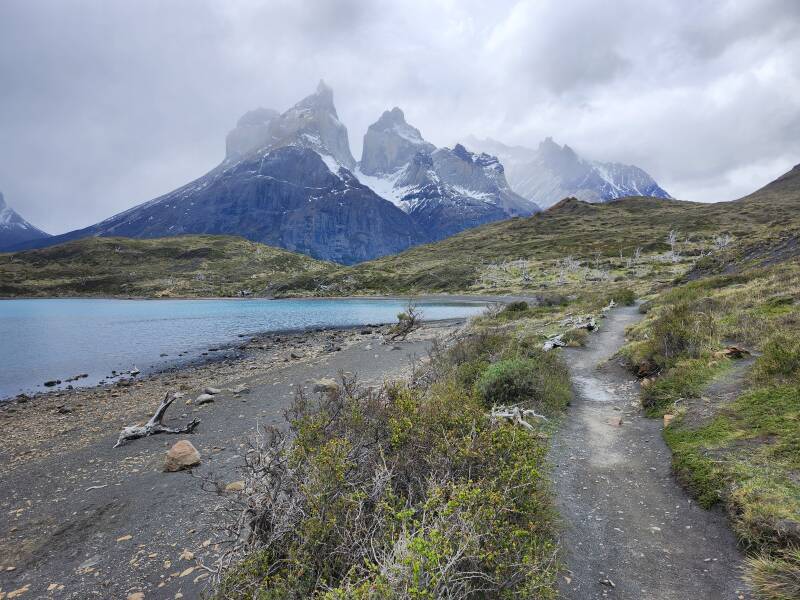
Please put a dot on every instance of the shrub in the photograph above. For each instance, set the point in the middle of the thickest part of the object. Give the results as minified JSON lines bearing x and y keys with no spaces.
{"x":683,"y":330}
{"x":776,"y":577}
{"x":622,"y":296}
{"x":404,"y":493}
{"x":542,"y":381}
{"x":780,"y":360}
{"x":576,"y":338}
{"x":515,"y":307}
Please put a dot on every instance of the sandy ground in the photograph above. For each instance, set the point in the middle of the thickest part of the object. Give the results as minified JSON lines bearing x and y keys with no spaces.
{"x":625,"y":518}
{"x":81,"y":519}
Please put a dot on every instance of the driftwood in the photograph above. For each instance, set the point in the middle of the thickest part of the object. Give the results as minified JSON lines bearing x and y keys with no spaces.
{"x":155,"y":425}
{"x":516,"y":415}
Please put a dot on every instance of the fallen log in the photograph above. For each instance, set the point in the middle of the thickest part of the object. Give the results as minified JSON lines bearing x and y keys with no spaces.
{"x":155,"y":425}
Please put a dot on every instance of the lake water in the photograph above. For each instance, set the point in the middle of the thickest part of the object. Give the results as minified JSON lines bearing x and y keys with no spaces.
{"x":42,"y":340}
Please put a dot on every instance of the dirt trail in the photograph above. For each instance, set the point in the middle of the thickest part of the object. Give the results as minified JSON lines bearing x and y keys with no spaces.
{"x":625,"y":518}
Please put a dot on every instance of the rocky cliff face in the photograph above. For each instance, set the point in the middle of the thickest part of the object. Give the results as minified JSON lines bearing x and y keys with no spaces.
{"x":14,"y":229}
{"x":553,"y":172}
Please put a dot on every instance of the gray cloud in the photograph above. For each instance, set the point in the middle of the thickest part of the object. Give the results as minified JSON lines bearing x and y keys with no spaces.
{"x":108,"y":104}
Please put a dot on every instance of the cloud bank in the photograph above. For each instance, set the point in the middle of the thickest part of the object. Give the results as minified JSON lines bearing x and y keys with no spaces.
{"x":108,"y":104}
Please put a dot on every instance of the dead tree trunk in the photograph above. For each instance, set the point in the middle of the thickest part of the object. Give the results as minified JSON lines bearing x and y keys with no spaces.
{"x":155,"y":425}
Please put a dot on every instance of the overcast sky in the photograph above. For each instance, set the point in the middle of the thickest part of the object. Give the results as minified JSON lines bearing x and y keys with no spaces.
{"x":106,"y":104}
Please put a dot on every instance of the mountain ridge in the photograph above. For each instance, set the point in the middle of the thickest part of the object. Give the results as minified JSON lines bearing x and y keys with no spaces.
{"x":552,"y":172}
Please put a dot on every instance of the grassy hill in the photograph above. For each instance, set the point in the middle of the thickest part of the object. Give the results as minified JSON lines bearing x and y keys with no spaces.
{"x":562,"y":249}
{"x":530,"y":253}
{"x":196,"y":265}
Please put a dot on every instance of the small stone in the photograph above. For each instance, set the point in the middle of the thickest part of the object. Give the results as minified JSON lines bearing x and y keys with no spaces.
{"x":616,"y":421}
{"x":124,"y":538}
{"x":90,"y":562}
{"x":136,"y":596}
{"x":19,"y":591}
{"x":183,"y":455}
{"x":203,"y":399}
{"x":668,"y":418}
{"x":607,"y":582}
{"x":241,"y":389}
{"x":235,"y":486}
{"x":212,"y":391}
{"x":187,"y":555}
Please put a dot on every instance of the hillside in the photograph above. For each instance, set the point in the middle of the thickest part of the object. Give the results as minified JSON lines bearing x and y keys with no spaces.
{"x":542,"y":251}
{"x":197,"y":265}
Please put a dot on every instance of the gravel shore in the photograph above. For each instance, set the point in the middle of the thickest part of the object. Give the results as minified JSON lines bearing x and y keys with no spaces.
{"x":82,"y":519}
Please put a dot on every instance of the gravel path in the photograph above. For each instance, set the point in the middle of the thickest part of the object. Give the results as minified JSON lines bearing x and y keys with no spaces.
{"x":625,"y":518}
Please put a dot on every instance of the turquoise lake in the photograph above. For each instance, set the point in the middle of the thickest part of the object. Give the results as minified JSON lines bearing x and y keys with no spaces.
{"x":50,"y":339}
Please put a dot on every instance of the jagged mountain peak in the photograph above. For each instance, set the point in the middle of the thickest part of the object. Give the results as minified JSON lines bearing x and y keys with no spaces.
{"x":390,"y":143}
{"x":312,"y":122}
{"x":14,"y":229}
{"x":395,"y":116}
{"x":321,"y":99}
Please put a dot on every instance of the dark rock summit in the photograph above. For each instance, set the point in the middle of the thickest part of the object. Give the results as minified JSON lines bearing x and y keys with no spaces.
{"x":391,"y":143}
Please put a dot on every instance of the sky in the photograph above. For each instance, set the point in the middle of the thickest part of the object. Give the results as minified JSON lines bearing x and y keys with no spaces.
{"x":105,"y":104}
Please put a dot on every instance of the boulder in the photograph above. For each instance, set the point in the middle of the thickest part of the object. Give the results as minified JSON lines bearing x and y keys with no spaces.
{"x":182,"y":455}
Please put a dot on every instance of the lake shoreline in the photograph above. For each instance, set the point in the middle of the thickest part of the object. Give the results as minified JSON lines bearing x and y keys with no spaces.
{"x":223,"y":352}
{"x":479,"y":298}
{"x":86,"y":342}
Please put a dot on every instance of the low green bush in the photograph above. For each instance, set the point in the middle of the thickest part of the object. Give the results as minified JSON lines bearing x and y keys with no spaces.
{"x":779,"y":361}
{"x":575,"y":338}
{"x":683,"y":330}
{"x":541,"y":381}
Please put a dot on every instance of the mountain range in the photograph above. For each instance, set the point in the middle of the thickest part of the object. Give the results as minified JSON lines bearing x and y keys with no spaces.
{"x":553,"y":172}
{"x":290,"y":180}
{"x":15,"y":230}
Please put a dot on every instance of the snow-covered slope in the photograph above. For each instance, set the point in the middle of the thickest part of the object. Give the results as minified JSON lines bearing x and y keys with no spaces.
{"x":14,"y":229}
{"x":553,"y":172}
{"x":444,"y":190}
